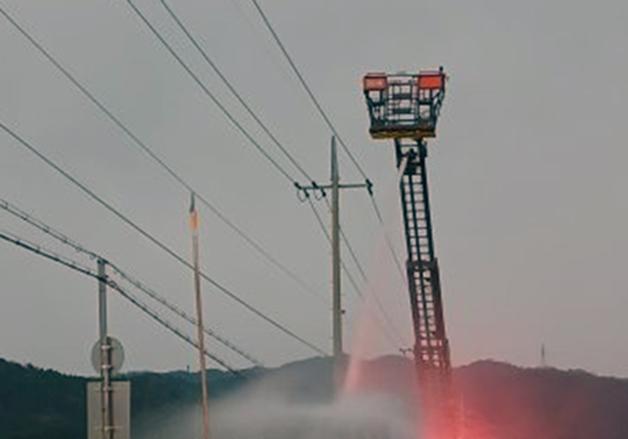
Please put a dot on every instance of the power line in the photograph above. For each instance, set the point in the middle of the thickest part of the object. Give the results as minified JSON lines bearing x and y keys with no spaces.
{"x":255,"y":117}
{"x":333,"y":129}
{"x":227,"y":83}
{"x":380,"y":219}
{"x":155,"y":296}
{"x":211,"y":96}
{"x":64,"y":239}
{"x":387,"y":319}
{"x":157,"y":242}
{"x":240,"y":99}
{"x":233,"y":90}
{"x":147,"y":150}
{"x":307,"y":88}
{"x":249,"y":110}
{"x":49,"y":254}
{"x":155,"y":316}
{"x":389,"y":243}
{"x":349,"y":247}
{"x":390,"y":335}
{"x":75,"y":266}
{"x":323,"y":228}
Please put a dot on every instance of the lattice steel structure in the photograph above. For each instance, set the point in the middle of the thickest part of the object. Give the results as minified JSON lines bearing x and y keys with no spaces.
{"x":405,"y":108}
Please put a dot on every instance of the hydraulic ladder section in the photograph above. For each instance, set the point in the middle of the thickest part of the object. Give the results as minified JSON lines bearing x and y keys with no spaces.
{"x":431,"y":349}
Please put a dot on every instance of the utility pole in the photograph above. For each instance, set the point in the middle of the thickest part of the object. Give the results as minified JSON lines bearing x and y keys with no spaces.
{"x":105,"y":355}
{"x":335,"y":187}
{"x":199,"y":317}
{"x":108,"y":401}
{"x":335,"y":248}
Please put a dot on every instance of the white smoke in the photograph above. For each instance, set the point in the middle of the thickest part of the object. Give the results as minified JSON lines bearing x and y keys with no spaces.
{"x":270,"y":409}
{"x":370,"y":417}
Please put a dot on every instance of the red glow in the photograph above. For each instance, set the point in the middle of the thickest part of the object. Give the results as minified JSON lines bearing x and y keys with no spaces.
{"x":431,"y":81}
{"x":375,"y":82}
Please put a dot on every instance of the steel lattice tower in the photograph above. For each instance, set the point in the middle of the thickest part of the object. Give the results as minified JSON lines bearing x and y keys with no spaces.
{"x":405,"y":108}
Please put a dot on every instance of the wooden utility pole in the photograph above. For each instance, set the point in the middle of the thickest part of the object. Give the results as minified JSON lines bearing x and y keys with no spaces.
{"x":199,"y":317}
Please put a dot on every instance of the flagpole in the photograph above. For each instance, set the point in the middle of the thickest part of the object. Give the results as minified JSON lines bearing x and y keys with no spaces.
{"x":194,"y":223}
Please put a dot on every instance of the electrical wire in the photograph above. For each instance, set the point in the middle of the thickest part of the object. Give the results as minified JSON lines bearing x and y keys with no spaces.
{"x":389,"y":244}
{"x":227,"y":83}
{"x":394,"y":338}
{"x":233,"y":90}
{"x":211,"y":96}
{"x":157,"y":297}
{"x":331,"y":126}
{"x":321,"y":224}
{"x":157,"y":242}
{"x":76,"y":266}
{"x":229,"y":116}
{"x":64,"y":239}
{"x":149,"y":151}
{"x":307,"y":88}
{"x":387,"y":319}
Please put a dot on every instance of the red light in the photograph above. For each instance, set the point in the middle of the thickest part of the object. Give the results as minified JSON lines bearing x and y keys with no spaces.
{"x":375,"y":82}
{"x":431,"y":81}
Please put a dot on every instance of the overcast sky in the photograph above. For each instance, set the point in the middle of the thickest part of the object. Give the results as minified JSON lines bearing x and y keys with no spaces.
{"x":527,"y":173}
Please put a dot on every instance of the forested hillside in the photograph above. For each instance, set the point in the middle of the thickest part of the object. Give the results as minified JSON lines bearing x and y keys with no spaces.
{"x":498,"y":401}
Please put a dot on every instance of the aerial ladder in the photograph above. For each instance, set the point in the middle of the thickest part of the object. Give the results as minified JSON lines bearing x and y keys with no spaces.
{"x":405,"y":108}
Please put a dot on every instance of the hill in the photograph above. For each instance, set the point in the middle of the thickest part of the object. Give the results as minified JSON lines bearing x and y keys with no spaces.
{"x":499,"y":400}
{"x":519,"y":403}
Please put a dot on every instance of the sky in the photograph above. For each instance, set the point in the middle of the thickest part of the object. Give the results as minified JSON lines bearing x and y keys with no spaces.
{"x":526,"y":176}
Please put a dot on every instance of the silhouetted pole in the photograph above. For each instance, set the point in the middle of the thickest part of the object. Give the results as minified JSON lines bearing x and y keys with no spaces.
{"x":336,"y":264}
{"x":105,"y":355}
{"x":199,"y":318}
{"x":335,"y":248}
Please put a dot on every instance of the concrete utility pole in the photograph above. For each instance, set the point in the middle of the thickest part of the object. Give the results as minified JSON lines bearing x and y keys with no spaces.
{"x":335,"y":248}
{"x":199,"y":318}
{"x":335,"y":187}
{"x":105,"y":355}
